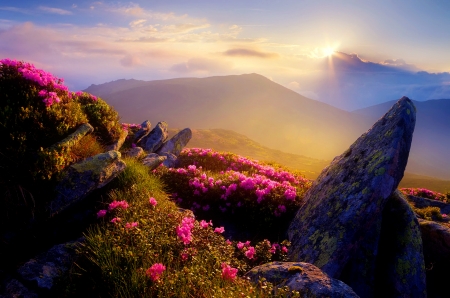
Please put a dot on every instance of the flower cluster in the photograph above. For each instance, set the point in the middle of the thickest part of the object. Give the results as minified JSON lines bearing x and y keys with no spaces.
{"x":228,"y":272}
{"x":118,"y":204}
{"x":184,"y":230}
{"x":425,"y":193}
{"x":155,"y":271}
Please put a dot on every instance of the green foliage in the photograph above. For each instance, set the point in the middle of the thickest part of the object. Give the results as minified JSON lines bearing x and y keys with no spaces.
{"x":429,"y":213}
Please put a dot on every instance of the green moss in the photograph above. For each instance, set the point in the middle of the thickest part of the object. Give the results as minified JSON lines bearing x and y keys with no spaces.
{"x":379,"y":172}
{"x":295,"y":269}
{"x":97,"y":163}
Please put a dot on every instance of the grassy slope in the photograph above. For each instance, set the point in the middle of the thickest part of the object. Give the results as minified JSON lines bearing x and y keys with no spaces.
{"x":230,"y":141}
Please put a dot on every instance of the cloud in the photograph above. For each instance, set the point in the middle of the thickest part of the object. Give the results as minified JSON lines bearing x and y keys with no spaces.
{"x":130,"y":61}
{"x":400,"y":63}
{"x":137,"y":23}
{"x":55,"y":10}
{"x":241,"y":52}
{"x":15,"y":9}
{"x":183,"y":28}
{"x":201,"y":65}
{"x":149,"y":39}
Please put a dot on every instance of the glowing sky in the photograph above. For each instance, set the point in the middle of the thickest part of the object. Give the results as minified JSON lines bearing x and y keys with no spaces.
{"x":94,"y":42}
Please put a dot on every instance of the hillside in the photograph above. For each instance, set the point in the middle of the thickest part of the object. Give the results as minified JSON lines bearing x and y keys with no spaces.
{"x":249,"y":104}
{"x":230,"y":141}
{"x":274,"y":116}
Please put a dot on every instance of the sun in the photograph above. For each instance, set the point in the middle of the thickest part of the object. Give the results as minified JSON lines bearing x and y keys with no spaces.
{"x":328,"y":51}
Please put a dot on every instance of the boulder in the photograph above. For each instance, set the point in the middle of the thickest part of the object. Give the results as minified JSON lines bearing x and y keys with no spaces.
{"x":400,"y":265}
{"x":305,"y":278}
{"x":82,"y":178}
{"x":153,"y":160}
{"x":74,"y":137}
{"x":118,"y":144}
{"x":15,"y":289}
{"x":170,"y":161}
{"x":142,"y":132}
{"x":176,"y":143}
{"x":134,"y":152}
{"x":436,"y":248}
{"x":339,"y":223}
{"x":155,"y":139}
{"x":44,"y":269}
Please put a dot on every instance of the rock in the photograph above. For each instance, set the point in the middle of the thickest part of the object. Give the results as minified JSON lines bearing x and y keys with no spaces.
{"x":436,"y":248}
{"x":134,"y":152}
{"x":153,"y":160}
{"x":170,"y":161}
{"x":176,"y":143}
{"x":305,"y":278}
{"x":142,"y":132}
{"x":419,"y":202}
{"x":75,"y":137}
{"x":155,"y":139}
{"x":340,"y":221}
{"x":400,"y":265}
{"x":82,"y":178}
{"x":118,"y":144}
{"x":15,"y":289}
{"x":47,"y":267}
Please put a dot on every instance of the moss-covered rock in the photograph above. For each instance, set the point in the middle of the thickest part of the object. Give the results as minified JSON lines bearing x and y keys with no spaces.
{"x":354,"y":190}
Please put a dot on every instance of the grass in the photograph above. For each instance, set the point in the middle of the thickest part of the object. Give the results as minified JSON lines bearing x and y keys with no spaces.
{"x":114,"y":260}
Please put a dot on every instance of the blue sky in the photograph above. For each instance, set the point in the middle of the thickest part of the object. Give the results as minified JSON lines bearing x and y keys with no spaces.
{"x":290,"y":42}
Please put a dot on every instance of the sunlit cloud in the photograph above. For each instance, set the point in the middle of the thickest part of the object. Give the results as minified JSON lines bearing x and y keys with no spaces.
{"x":130,"y":61}
{"x":201,"y":65}
{"x":242,"y":52}
{"x":55,"y":10}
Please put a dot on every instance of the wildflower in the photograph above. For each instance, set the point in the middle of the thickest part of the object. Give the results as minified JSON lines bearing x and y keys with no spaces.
{"x":184,"y":256}
{"x":284,"y":249}
{"x":219,"y":230}
{"x":240,"y":245}
{"x":101,"y":213}
{"x":152,"y":201}
{"x":228,"y":242}
{"x":118,"y":204}
{"x":130,"y":225}
{"x":184,"y":230}
{"x":204,"y":224}
{"x":250,"y":253}
{"x":155,"y":271}
{"x":116,"y":219}
{"x":228,"y":272}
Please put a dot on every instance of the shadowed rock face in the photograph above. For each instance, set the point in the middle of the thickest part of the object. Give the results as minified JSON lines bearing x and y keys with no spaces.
{"x":341,"y":215}
{"x":176,"y":144}
{"x":309,"y":280}
{"x":156,"y":138}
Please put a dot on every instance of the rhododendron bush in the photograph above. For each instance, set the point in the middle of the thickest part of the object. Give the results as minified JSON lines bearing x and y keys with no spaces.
{"x":261,"y":199}
{"x":36,"y":111}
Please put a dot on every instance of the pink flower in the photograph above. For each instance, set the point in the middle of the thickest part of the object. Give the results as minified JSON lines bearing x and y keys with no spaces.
{"x":240,"y":245}
{"x":101,"y":213}
{"x":284,"y":249}
{"x":118,"y":204}
{"x":250,"y":253}
{"x":444,"y":215}
{"x":228,"y":242}
{"x":152,"y":201}
{"x":116,"y":220}
{"x":184,"y":230}
{"x":219,"y":230}
{"x":130,"y":225}
{"x":204,"y":224}
{"x":228,"y":272}
{"x":155,"y":271}
{"x":184,"y":256}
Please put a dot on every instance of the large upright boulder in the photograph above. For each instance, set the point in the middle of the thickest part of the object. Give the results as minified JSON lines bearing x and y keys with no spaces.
{"x":143,"y":131}
{"x":339,"y":223}
{"x":156,"y":138}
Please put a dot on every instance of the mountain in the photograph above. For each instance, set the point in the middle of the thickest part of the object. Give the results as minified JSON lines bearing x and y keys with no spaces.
{"x":349,"y":82}
{"x":249,"y":104}
{"x":430,"y":149}
{"x":275,"y":117}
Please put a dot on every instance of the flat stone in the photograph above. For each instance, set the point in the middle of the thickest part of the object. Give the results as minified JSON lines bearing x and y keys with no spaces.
{"x":134,"y":152}
{"x":74,"y":137}
{"x":82,"y":178}
{"x":153,"y":160}
{"x":305,"y":278}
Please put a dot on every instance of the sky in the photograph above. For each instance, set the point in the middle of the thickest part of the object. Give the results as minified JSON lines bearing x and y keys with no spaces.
{"x":320,"y":49}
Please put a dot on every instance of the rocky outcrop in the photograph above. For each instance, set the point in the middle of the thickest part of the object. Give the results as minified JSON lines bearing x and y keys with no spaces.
{"x":176,"y":144}
{"x":134,"y":152}
{"x":419,"y":202}
{"x":156,"y":138}
{"x":118,"y":143}
{"x":44,"y":269}
{"x":75,"y":137}
{"x":142,"y":132}
{"x":153,"y":160}
{"x":82,"y":178}
{"x":339,"y":224}
{"x":436,"y":248}
{"x":307,"y":279}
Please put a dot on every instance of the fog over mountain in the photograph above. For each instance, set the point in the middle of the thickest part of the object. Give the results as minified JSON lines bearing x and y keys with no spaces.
{"x":349,"y":82}
{"x":275,"y":116}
